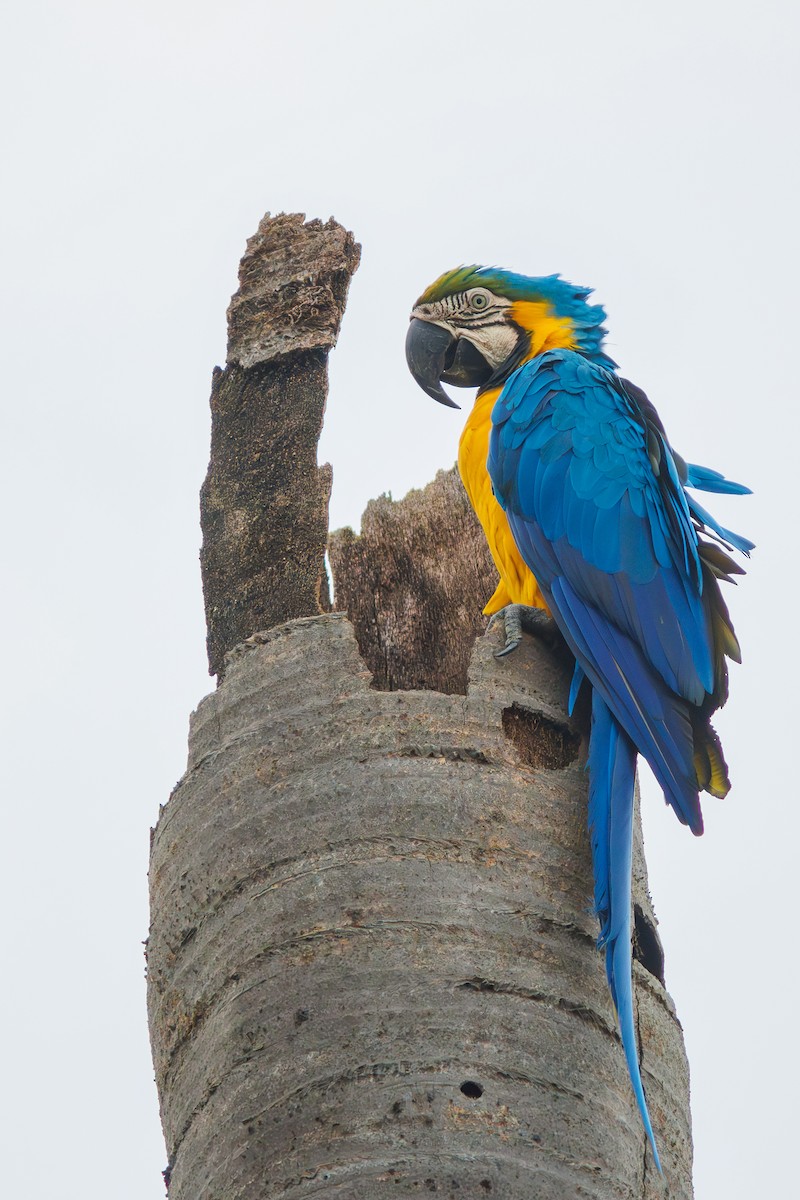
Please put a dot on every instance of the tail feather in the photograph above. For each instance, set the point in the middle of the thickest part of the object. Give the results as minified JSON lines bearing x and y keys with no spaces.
{"x":612,"y":771}
{"x":709,"y":761}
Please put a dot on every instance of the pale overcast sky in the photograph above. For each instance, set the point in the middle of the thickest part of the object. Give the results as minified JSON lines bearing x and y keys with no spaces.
{"x":648,"y":150}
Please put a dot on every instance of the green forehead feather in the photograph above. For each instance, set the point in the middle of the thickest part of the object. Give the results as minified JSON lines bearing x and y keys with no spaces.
{"x":453,"y":282}
{"x":553,"y":288}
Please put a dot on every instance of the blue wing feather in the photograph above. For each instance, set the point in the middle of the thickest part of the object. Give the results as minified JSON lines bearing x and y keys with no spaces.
{"x":712,"y":481}
{"x":728,"y":536}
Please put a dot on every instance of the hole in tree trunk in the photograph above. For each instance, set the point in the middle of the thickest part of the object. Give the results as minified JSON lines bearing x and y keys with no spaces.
{"x":539,"y":741}
{"x":647,"y":947}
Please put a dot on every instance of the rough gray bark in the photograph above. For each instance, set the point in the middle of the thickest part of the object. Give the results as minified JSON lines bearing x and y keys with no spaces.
{"x":372,"y":968}
{"x":264,"y":503}
{"x":371,"y":964}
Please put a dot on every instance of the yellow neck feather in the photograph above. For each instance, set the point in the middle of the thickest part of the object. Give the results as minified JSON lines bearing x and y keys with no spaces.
{"x":547,"y":332}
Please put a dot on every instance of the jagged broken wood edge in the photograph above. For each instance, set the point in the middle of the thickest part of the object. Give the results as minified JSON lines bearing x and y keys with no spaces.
{"x":414,"y":583}
{"x":293,"y":283}
{"x":264,"y":502}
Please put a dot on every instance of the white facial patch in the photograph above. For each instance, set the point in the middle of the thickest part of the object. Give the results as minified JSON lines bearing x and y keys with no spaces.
{"x":480,"y":317}
{"x":496,"y":341}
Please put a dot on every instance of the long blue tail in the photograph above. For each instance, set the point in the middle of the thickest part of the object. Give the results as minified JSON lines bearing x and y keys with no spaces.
{"x":612,"y":772}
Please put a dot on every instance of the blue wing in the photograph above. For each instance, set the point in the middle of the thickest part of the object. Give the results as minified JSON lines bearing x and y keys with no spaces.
{"x":597,"y":508}
{"x":595,"y":500}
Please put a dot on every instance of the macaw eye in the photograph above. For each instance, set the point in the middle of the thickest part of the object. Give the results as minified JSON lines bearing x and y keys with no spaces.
{"x":479,"y":301}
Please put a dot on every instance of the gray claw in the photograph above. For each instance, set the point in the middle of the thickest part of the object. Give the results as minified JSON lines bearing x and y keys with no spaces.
{"x":512,"y":623}
{"x":509,"y":648}
{"x":517,"y":617}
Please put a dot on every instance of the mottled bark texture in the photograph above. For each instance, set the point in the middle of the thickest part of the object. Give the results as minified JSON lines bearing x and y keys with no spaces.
{"x":372,"y":969}
{"x":414,"y":583}
{"x":264,"y":503}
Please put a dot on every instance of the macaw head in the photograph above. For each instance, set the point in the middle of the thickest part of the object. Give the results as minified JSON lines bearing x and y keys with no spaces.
{"x":476,"y":325}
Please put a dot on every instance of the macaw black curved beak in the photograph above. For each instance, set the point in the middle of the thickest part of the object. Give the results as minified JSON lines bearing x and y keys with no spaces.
{"x":433,"y":355}
{"x":430,"y":349}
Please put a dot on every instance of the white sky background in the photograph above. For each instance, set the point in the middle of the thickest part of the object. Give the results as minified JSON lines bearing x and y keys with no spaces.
{"x":649,"y":150}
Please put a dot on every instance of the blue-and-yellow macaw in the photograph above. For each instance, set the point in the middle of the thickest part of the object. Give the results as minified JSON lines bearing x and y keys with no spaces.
{"x":584,"y":505}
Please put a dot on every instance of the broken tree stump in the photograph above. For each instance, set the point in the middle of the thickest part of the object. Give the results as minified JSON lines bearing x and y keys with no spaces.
{"x":264,"y":503}
{"x":371,"y":964}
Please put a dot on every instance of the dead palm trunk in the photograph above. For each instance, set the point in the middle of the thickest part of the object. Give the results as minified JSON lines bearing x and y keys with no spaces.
{"x":371,"y":963}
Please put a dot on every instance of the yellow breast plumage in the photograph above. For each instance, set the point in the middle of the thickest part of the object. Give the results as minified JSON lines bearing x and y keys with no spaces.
{"x":517,"y":583}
